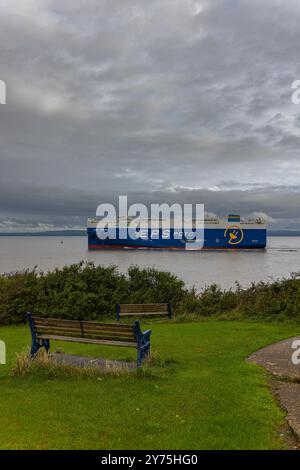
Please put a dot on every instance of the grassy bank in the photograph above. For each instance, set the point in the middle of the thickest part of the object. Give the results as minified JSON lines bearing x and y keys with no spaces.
{"x":207,"y":398}
{"x":92,"y":292}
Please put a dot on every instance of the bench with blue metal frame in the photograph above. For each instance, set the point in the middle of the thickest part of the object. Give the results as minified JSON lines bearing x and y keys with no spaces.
{"x":90,"y":332}
{"x":124,"y":310}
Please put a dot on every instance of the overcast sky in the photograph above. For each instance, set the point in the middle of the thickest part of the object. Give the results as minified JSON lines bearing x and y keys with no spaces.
{"x":166,"y":101}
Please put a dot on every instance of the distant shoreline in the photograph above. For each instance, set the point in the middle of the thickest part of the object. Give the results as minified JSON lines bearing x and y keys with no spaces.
{"x":83,"y":233}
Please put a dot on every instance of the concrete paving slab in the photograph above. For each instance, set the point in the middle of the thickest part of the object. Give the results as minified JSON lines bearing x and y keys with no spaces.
{"x":79,"y":361}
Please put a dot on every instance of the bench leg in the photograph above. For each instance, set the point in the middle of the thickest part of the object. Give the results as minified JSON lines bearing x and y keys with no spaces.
{"x":37,"y":344}
{"x":142,"y":352}
{"x":46,"y":344}
{"x":34,"y":349}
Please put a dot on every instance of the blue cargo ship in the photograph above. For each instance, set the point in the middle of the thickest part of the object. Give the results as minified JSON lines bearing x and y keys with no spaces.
{"x":231,"y":232}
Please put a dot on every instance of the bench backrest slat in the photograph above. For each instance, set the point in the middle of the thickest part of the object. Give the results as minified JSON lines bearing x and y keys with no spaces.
{"x":62,"y":322}
{"x":140,"y":308}
{"x":90,"y":335}
{"x":84,"y":329}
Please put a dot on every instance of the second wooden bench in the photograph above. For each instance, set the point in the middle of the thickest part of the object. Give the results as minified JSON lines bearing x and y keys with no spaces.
{"x":124,"y":310}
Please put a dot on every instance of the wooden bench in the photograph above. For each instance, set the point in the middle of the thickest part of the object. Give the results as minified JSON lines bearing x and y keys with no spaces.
{"x":124,"y":310}
{"x":90,"y":332}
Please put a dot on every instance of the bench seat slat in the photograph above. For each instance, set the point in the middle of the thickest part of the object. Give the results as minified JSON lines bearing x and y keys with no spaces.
{"x":144,"y":313}
{"x":89,"y":340}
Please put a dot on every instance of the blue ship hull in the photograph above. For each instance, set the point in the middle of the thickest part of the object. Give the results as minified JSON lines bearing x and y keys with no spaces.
{"x":214,"y":238}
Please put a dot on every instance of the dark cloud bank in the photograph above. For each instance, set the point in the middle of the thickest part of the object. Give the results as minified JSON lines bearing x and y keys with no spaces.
{"x":165,"y":101}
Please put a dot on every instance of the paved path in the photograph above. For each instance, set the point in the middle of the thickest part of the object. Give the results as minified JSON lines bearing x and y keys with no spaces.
{"x":277,"y":359}
{"x":289,"y":397}
{"x":79,"y":361}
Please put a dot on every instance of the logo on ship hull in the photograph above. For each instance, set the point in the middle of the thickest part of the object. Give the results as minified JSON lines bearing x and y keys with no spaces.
{"x":234,"y":235}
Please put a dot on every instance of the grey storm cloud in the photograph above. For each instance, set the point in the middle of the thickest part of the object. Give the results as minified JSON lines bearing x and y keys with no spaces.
{"x":165,"y":101}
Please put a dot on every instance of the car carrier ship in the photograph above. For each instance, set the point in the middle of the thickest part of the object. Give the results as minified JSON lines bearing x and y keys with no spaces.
{"x":231,"y":232}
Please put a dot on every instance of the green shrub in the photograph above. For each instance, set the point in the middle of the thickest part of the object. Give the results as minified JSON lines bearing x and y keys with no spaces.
{"x":92,"y":292}
{"x":83,"y":290}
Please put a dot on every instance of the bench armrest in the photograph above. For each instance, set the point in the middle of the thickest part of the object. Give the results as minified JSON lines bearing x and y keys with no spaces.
{"x":147,"y":333}
{"x":143,"y":342}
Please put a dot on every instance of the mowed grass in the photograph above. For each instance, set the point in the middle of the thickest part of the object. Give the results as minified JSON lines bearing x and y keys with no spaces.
{"x":208,"y":397}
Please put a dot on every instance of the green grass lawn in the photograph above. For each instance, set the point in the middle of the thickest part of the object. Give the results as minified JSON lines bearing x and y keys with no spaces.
{"x":210,"y":398}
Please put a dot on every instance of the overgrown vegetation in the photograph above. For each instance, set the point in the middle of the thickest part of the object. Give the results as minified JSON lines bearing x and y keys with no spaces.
{"x":91,"y":292}
{"x":44,"y":367}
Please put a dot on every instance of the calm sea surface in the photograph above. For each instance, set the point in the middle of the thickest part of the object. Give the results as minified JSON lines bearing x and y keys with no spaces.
{"x":201,"y":268}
